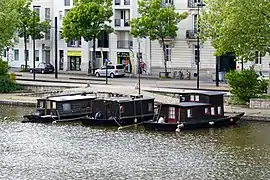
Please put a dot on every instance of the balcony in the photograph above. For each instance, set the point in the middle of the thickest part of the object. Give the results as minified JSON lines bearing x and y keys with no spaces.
{"x":193,"y":3}
{"x":124,"y":44}
{"x":191,"y":34}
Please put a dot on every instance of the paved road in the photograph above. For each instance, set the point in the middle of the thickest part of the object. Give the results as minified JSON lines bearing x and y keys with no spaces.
{"x":126,"y":81}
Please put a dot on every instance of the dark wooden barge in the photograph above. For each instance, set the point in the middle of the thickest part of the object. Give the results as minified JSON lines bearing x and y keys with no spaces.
{"x":195,"y":110}
{"x":61,"y":108}
{"x":120,"y":111}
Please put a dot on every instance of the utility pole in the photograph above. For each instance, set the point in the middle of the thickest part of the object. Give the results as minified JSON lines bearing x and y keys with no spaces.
{"x":56,"y":50}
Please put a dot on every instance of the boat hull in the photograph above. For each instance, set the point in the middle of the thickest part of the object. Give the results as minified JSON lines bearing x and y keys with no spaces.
{"x":224,"y":121}
{"x":87,"y":121}
{"x":49,"y":119}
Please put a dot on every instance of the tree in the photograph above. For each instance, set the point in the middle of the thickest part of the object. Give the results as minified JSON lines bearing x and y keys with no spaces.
{"x":30,"y":25}
{"x":9,"y":13}
{"x":158,"y":22}
{"x":238,"y":26}
{"x":88,"y":19}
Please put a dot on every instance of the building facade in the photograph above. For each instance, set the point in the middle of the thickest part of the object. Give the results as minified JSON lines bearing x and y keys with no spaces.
{"x":120,"y":47}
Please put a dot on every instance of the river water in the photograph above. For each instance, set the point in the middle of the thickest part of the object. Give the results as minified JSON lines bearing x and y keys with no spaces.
{"x":72,"y":151}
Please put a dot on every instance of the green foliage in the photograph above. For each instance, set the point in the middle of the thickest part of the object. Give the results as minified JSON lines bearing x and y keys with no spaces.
{"x":9,"y":13}
{"x":7,"y":81}
{"x":245,"y":84}
{"x":87,"y":19}
{"x":156,"y":21}
{"x":239,"y":26}
{"x":30,"y":25}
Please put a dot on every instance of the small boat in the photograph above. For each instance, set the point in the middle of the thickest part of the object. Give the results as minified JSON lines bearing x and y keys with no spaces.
{"x":120,"y":111}
{"x":61,"y":108}
{"x":195,"y":110}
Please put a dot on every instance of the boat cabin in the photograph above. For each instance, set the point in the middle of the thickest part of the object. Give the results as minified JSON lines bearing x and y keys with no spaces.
{"x":134,"y":106}
{"x":65,"y":106}
{"x":188,"y":111}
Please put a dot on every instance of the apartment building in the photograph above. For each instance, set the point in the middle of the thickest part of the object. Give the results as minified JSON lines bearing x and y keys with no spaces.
{"x":120,"y":46}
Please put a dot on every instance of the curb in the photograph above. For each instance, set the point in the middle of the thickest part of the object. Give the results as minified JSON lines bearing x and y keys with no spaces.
{"x":17,"y":103}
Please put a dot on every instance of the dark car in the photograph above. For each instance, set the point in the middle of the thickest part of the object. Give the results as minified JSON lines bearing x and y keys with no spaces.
{"x":43,"y":68}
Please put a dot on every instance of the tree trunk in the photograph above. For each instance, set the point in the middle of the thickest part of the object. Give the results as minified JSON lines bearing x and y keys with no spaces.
{"x":94,"y":55}
{"x":25,"y":51}
{"x":165,"y":58}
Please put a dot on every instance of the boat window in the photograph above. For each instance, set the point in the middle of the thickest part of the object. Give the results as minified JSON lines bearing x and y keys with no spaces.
{"x":122,"y":109}
{"x":53,"y":105}
{"x":212,"y":111}
{"x":189,"y":113}
{"x":172,"y":112}
{"x":219,"y":110}
{"x":66,"y":107}
{"x":197,"y":98}
{"x":41,"y":104}
{"x":192,"y":98}
{"x":206,"y":110}
{"x":48,"y":104}
{"x":150,"y":107}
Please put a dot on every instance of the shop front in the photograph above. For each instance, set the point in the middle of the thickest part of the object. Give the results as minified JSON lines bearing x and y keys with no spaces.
{"x":124,"y":58}
{"x":74,"y":59}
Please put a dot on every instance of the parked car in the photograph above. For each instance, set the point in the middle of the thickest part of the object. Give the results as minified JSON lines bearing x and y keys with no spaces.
{"x":43,"y":68}
{"x":113,"y":71}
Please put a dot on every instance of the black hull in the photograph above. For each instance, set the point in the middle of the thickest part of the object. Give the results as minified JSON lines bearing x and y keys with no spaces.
{"x":220,"y":122}
{"x":87,"y":121}
{"x":49,"y":119}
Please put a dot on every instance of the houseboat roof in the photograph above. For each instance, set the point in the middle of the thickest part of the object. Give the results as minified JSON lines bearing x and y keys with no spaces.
{"x":209,"y":93}
{"x":70,"y":98}
{"x":125,"y":99}
{"x":189,"y":104}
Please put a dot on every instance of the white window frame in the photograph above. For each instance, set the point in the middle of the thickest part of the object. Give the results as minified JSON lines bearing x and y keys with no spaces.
{"x":206,"y":110}
{"x":192,"y":98}
{"x":171,"y":112}
{"x":16,"y":54}
{"x":168,"y":50}
{"x":213,"y":111}
{"x":197,"y":98}
{"x":219,"y":110}
{"x":189,"y":113}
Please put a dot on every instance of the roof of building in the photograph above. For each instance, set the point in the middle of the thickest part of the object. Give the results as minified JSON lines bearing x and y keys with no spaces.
{"x":70,"y":98}
{"x":189,"y":104}
{"x":126,"y":99}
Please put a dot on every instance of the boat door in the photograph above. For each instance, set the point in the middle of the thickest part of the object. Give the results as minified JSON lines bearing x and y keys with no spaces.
{"x":179,"y":115}
{"x":171,"y":115}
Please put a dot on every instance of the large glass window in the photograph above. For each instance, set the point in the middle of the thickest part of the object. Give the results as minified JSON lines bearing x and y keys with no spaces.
{"x":16,"y":54}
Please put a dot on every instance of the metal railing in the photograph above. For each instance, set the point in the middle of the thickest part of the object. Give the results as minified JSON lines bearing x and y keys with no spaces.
{"x":124,"y":44}
{"x":191,"y":34}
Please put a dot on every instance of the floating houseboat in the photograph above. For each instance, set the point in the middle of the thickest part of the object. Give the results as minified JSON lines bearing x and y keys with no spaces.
{"x":120,"y":111}
{"x":61,"y":108}
{"x":195,"y":110}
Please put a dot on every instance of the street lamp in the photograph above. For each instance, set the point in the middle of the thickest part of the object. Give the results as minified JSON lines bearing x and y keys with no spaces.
{"x":34,"y":43}
{"x":197,"y":59}
{"x":139,"y":70}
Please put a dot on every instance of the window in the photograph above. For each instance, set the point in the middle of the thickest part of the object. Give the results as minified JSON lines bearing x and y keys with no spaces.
{"x":122,"y":109}
{"x":117,"y":2}
{"x":196,"y":53}
{"x":48,"y":35}
{"x":189,"y":113}
{"x":27,"y":55}
{"x":37,"y":9}
{"x":37,"y":55}
{"x":53,"y":105}
{"x":47,"y":13}
{"x":192,"y":98}
{"x":171,"y":112}
{"x":258,"y":59}
{"x":150,"y":107}
{"x":206,"y":110}
{"x":48,"y":104}
{"x":16,"y":54}
{"x":168,"y":53}
{"x":60,"y":15}
{"x":197,"y":98}
{"x":219,"y":110}
{"x":195,"y":22}
{"x":67,"y":107}
{"x":212,"y":111}
{"x":67,"y":3}
{"x":66,"y":11}
{"x":120,"y":67}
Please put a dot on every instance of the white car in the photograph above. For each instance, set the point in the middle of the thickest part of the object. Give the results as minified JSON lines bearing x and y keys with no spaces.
{"x":113,"y":71}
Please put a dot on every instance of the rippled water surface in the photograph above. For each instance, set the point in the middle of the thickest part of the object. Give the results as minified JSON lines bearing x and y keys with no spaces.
{"x":72,"y":151}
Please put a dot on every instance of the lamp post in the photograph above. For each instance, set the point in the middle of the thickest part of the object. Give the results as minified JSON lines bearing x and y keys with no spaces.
{"x":139,"y":71}
{"x":197,"y":60}
{"x":34,"y":43}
